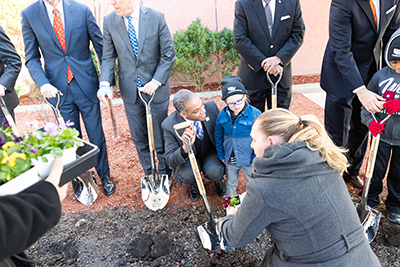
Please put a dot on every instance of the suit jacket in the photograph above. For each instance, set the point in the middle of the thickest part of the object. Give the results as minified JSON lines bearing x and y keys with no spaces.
{"x":173,"y":144}
{"x":254,"y":43}
{"x":80,"y":28}
{"x":156,"y":54}
{"x":354,"y":42}
{"x":26,"y":216}
{"x":10,"y":66}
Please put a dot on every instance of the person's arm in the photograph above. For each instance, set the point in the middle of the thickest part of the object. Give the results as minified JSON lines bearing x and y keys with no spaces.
{"x":250,"y":220}
{"x":11,"y":60}
{"x":94,"y":33}
{"x":167,"y":59}
{"x":219,"y":139}
{"x":26,"y":216}
{"x":243,"y":43}
{"x":292,"y":45}
{"x":174,"y":153}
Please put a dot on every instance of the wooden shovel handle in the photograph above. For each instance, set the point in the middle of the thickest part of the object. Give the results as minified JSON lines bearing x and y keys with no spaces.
{"x":197,"y":175}
{"x":113,"y":120}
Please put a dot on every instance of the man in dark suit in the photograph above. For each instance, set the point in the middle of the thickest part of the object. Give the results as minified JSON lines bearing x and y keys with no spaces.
{"x":10,"y":66}
{"x":190,"y":107}
{"x":358,"y":33}
{"x":267,"y":35}
{"x":61,"y":30}
{"x":139,"y":37}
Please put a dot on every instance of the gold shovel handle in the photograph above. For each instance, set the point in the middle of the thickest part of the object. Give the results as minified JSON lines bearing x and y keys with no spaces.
{"x":113,"y":120}
{"x":197,"y":175}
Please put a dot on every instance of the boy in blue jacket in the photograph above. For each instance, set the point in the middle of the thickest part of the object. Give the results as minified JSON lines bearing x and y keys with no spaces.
{"x":232,"y":132}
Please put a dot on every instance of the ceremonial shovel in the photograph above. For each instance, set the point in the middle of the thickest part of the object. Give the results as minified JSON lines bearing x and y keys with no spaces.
{"x":274,"y":90}
{"x":84,"y":186}
{"x":210,"y":236}
{"x":369,"y":217}
{"x":155,"y":187}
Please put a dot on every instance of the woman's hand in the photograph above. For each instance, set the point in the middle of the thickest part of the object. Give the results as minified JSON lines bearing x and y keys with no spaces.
{"x":232,"y":210}
{"x":54,"y":178}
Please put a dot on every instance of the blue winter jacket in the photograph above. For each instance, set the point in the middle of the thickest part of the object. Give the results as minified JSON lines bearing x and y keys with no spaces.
{"x":235,"y":136}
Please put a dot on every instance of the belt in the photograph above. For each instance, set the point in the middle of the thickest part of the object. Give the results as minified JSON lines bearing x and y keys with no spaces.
{"x":334,"y":251}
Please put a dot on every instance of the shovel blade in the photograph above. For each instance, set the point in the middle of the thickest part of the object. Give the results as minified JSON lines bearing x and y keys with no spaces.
{"x":369,"y":219}
{"x":210,"y":239}
{"x":85,"y":188}
{"x":155,"y":194}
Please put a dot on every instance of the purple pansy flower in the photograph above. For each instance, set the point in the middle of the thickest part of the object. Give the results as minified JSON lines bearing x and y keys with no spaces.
{"x":34,"y":150}
{"x":51,"y":128}
{"x":67,"y":124}
{"x":18,"y":139}
{"x":5,"y":122}
{"x":1,"y":142}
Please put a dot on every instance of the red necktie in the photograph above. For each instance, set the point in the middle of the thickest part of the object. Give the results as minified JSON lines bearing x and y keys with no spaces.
{"x":59,"y":30}
{"x":371,"y":3}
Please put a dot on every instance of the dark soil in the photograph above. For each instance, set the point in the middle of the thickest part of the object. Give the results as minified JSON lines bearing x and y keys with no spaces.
{"x":119,"y":230}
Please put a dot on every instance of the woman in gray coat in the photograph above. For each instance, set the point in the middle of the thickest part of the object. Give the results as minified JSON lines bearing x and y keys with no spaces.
{"x":299,"y":196}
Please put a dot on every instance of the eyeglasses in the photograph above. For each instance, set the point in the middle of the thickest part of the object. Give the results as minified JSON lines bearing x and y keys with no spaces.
{"x":236,"y":103}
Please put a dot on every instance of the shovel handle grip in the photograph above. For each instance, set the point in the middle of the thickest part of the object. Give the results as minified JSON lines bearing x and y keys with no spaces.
{"x":150,"y":131}
{"x":197,"y":175}
{"x":182,"y":125}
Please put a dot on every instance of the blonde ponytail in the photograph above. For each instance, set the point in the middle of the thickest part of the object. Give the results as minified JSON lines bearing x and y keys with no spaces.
{"x":290,"y":128}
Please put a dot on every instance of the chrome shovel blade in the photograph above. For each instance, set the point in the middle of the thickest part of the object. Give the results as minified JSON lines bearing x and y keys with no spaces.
{"x":85,"y":188}
{"x":370,"y":222}
{"x":209,"y":239}
{"x":155,"y":195}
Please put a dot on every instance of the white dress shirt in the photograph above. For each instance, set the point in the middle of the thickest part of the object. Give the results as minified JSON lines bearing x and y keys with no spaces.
{"x":50,"y":13}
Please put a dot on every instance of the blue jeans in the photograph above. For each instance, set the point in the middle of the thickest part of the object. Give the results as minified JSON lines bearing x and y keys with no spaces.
{"x":232,"y":176}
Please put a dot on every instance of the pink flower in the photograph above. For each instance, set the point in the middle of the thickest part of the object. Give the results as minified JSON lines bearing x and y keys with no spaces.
{"x":34,"y":124}
{"x":67,"y":124}
{"x":51,"y":128}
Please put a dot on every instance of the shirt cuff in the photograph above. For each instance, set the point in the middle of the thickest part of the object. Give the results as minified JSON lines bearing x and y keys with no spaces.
{"x":359,"y":88}
{"x":104,"y":83}
{"x":157,"y":82}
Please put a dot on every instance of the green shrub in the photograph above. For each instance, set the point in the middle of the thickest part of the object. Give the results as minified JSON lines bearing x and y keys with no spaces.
{"x":200,"y":53}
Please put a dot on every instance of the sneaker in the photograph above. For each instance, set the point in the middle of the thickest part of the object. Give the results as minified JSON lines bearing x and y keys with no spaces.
{"x":221,"y":187}
{"x":194,"y":192}
{"x":394,"y":217}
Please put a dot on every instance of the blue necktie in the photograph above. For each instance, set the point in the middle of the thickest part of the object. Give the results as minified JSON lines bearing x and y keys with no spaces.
{"x":134,"y":44}
{"x":268,"y":14}
{"x":199,"y":130}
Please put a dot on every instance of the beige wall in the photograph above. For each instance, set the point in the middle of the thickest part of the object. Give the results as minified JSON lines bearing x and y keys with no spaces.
{"x":180,"y":13}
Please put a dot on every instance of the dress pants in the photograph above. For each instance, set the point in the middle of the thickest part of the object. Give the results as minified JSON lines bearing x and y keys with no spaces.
{"x":210,"y":165}
{"x":343,"y":123}
{"x":136,"y":115}
{"x":76,"y":103}
{"x":393,"y":178}
{"x":258,"y":96}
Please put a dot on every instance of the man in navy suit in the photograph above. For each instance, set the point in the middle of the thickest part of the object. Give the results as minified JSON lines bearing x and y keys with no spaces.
{"x":267,"y":46}
{"x":358,"y":33}
{"x":63,"y":56}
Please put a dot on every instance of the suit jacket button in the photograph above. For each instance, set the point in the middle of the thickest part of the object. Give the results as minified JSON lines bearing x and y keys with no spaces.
{"x":66,"y":56}
{"x":271,"y":46}
{"x":65,"y":75}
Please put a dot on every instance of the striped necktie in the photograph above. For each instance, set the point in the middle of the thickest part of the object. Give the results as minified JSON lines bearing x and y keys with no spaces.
{"x":199,"y":130}
{"x":134,"y":44}
{"x":268,"y":14}
{"x":371,"y":3}
{"x":59,"y":30}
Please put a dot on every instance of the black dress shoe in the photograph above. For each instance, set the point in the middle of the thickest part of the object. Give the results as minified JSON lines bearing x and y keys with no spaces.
{"x":194,"y":192}
{"x":355,"y":181}
{"x":221,"y":187}
{"x":108,"y":186}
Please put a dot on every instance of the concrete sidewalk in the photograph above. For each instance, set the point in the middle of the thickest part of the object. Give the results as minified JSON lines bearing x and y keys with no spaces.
{"x":312,"y":91}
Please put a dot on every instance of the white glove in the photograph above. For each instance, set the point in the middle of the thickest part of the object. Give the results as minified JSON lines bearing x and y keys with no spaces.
{"x":104,"y":91}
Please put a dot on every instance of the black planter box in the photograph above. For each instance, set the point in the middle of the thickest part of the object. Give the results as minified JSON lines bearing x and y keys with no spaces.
{"x":86,"y":159}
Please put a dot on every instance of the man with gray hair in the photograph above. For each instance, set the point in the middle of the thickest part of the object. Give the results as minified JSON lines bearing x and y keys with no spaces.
{"x":189,"y":107}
